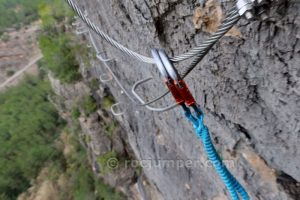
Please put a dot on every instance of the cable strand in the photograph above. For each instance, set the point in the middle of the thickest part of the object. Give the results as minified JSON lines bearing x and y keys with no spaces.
{"x":230,"y":19}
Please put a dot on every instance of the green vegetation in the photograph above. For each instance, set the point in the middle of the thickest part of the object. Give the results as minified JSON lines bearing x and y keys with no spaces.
{"x":5,"y":37}
{"x":107,"y":193}
{"x":104,"y":161}
{"x":58,"y":46}
{"x":87,"y":139}
{"x":89,"y":105}
{"x":75,"y":125}
{"x":59,"y":56}
{"x":81,"y":183}
{"x":54,"y":13}
{"x":75,"y":113}
{"x":94,"y":84}
{"x":9,"y":73}
{"x":110,"y":128}
{"x":28,"y":127}
{"x":14,"y":13}
{"x":108,"y":101}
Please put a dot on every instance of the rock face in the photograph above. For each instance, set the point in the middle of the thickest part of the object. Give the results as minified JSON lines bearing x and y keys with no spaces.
{"x":248,"y":87}
{"x":101,"y":136}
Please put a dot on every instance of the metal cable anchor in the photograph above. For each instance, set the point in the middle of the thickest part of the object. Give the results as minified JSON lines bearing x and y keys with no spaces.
{"x":245,"y":7}
{"x":249,"y":8}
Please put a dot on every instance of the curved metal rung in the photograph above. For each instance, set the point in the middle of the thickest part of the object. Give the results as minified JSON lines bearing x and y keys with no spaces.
{"x":118,"y":81}
{"x":93,"y":42}
{"x":82,"y":28}
{"x":75,"y":23}
{"x":104,"y":78}
{"x":86,"y":14}
{"x":100,"y":57}
{"x":114,"y":110}
{"x":133,"y":97}
{"x":105,"y":62}
{"x":163,"y":109}
{"x":79,"y":32}
{"x":133,"y":90}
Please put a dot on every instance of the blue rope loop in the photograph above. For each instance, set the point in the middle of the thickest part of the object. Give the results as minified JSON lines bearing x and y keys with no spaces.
{"x":233,"y":186}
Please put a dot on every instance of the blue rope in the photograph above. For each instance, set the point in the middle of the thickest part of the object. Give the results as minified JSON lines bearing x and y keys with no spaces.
{"x":233,"y":186}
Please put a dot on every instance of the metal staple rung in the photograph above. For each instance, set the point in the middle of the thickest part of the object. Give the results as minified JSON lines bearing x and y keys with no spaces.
{"x":113,"y":109}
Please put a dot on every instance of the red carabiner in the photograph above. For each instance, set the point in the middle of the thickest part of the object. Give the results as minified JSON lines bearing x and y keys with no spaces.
{"x":185,"y":93}
{"x":173,"y":89}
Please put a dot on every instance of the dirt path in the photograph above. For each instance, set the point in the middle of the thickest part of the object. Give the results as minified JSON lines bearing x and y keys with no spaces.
{"x":20,"y":72}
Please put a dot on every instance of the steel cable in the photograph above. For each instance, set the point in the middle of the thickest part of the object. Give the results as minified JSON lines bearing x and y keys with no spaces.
{"x":224,"y":28}
{"x":230,"y":19}
{"x":106,"y":37}
{"x":228,"y":23}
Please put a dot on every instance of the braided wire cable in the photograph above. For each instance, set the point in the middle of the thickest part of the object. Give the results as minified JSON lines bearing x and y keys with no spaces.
{"x":227,"y":24}
{"x":224,"y":28}
{"x":196,"y":51}
{"x":108,"y":38}
{"x":230,"y":19}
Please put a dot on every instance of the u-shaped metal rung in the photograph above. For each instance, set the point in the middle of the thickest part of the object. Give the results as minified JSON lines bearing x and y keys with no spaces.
{"x":138,"y":83}
{"x":80,"y":31}
{"x":93,"y":42}
{"x":115,"y":112}
{"x":86,"y":14}
{"x":115,"y":77}
{"x":134,"y":97}
{"x":105,"y":63}
{"x":100,"y":57}
{"x":99,"y":54}
{"x":75,"y":23}
{"x":164,"y":73}
{"x":130,"y":96}
{"x":104,"y":78}
{"x":146,"y":104}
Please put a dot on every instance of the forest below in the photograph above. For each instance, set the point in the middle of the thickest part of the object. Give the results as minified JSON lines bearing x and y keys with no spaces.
{"x":33,"y":136}
{"x":16,"y":13}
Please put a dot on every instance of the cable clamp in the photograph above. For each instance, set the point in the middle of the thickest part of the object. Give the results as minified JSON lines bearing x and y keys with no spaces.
{"x":252,"y":8}
{"x":245,"y":8}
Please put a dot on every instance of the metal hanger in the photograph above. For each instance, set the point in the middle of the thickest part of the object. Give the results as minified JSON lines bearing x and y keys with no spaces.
{"x":134,"y":97}
{"x":164,"y":73}
{"x":102,"y":56}
{"x":115,"y":109}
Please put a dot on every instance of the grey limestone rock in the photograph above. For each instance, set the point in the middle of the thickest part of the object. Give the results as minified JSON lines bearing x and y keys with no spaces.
{"x":248,"y":87}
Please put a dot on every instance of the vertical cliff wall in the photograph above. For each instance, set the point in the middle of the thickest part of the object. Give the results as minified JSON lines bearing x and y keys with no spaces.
{"x":248,"y":86}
